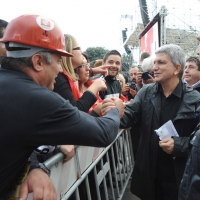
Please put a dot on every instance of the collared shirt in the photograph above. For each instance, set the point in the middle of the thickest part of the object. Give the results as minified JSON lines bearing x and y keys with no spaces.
{"x":169,"y":108}
{"x":170,"y":105}
{"x":195,"y":86}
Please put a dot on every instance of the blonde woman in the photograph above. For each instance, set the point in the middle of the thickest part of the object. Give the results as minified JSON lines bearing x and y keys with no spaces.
{"x":66,"y":83}
{"x":121,"y":80}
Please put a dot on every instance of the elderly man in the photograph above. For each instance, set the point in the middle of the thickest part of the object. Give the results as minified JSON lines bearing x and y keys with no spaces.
{"x":160,"y":165}
{"x":33,"y":115}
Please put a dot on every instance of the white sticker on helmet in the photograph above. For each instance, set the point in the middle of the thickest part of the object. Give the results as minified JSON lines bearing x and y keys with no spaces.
{"x":45,"y":149}
{"x":45,"y":23}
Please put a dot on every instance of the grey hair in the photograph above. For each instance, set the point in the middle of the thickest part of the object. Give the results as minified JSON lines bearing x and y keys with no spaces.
{"x":176,"y":55}
{"x":47,"y":55}
{"x":134,"y":66}
{"x":26,"y":61}
{"x":148,"y":63}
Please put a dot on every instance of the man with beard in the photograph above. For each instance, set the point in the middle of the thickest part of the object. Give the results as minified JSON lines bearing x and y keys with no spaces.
{"x":133,"y":73}
{"x":112,"y":58}
{"x":130,"y":89}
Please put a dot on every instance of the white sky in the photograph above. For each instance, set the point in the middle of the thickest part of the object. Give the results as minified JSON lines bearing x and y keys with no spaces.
{"x":99,"y":22}
{"x":92,"y":22}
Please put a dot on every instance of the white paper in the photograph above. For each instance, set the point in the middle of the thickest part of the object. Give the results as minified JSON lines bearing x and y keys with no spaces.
{"x":112,"y":95}
{"x":167,"y":130}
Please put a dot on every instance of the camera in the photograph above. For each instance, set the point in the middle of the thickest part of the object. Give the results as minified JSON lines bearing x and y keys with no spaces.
{"x":132,"y":85}
{"x":145,"y":75}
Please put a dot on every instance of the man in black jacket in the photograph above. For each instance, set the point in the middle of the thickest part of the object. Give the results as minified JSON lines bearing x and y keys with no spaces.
{"x":113,"y":59}
{"x":190,"y":184}
{"x":33,"y":115}
{"x":160,"y":165}
{"x":192,"y":72}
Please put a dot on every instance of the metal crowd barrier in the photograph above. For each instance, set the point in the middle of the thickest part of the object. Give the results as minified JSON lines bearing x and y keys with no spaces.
{"x":94,"y":173}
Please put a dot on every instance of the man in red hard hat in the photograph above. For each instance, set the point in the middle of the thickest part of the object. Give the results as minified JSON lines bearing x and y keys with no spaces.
{"x":33,"y":115}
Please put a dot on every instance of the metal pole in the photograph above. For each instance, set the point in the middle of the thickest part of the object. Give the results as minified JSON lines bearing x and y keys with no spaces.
{"x":163,"y":14}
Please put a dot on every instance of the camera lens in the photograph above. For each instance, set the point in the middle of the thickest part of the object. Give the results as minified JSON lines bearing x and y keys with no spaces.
{"x":145,"y":75}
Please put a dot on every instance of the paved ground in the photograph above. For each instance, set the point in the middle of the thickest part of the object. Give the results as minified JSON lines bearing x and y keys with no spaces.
{"x":128,"y":195}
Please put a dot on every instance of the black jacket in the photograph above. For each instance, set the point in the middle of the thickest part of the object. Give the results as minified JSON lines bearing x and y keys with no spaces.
{"x":62,"y":87}
{"x":190,"y":184}
{"x":32,"y":116}
{"x":113,"y":87}
{"x":145,"y":108}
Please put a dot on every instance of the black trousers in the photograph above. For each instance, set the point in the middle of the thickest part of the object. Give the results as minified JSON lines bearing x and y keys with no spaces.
{"x":166,"y":190}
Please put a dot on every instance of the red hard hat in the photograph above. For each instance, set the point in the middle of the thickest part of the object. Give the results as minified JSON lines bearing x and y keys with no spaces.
{"x":38,"y":31}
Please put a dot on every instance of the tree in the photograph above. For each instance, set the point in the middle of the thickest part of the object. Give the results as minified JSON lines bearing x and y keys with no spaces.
{"x":95,"y":53}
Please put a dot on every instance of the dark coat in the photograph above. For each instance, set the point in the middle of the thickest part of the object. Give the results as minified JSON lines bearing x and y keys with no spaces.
{"x":32,"y":116}
{"x":190,"y":184}
{"x":145,"y":108}
{"x":113,"y":87}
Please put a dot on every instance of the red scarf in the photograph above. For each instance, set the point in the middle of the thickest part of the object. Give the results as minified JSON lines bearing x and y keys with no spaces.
{"x":77,"y":93}
{"x":73,"y":86}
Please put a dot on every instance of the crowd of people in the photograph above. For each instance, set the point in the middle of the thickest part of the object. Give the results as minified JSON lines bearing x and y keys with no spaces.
{"x":53,"y":97}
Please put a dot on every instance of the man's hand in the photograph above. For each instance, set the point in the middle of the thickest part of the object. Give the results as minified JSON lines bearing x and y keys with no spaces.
{"x":125,"y":89}
{"x":111,"y":103}
{"x":40,"y":184}
{"x":68,"y":150}
{"x":139,"y":80}
{"x":107,"y":105}
{"x":150,"y":80}
{"x":132,"y":92}
{"x":167,"y":145}
{"x":119,"y":104}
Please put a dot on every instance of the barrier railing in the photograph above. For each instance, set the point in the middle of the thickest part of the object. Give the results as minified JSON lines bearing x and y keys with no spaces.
{"x":94,"y":173}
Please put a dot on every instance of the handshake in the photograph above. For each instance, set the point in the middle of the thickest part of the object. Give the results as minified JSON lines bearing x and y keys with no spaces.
{"x":111,"y":103}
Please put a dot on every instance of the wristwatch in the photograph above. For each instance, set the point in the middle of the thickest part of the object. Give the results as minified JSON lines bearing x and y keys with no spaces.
{"x":41,"y":166}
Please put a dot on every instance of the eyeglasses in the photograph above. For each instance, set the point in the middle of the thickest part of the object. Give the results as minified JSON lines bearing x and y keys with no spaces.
{"x":77,"y":48}
{"x":84,"y":65}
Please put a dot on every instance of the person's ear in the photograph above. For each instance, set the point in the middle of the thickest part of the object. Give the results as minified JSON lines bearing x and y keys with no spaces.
{"x":177,"y":69}
{"x":38,"y":62}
